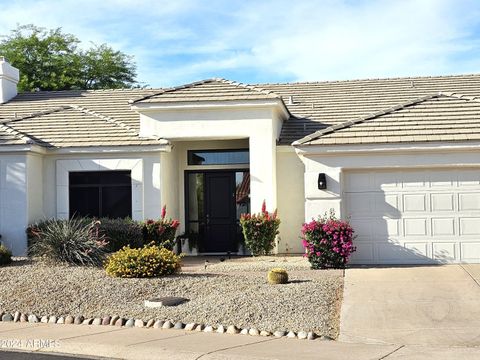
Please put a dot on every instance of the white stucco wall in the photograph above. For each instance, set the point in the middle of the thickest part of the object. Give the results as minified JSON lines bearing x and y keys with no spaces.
{"x":334,"y":161}
{"x":260,"y":122}
{"x":291,"y":201}
{"x":13,"y":202}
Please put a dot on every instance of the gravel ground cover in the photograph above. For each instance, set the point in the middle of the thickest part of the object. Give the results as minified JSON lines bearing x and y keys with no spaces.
{"x":232,"y":292}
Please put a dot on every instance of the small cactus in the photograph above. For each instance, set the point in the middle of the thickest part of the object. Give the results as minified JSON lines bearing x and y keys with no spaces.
{"x":277,"y":276}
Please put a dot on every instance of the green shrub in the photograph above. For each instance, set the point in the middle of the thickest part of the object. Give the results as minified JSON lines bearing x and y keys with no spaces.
{"x":73,"y":241}
{"x":260,"y":230}
{"x":120,"y":233}
{"x":161,"y":232}
{"x":149,"y":261}
{"x":277,"y":276}
{"x":5,"y":255}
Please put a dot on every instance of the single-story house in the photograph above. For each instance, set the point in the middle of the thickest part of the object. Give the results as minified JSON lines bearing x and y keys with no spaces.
{"x":399,"y":157}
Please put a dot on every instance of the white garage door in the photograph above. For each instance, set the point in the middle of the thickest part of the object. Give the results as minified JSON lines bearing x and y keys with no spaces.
{"x":422,"y":216}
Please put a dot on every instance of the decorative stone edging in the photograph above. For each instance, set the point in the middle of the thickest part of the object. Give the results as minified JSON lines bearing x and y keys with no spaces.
{"x":156,"y":324}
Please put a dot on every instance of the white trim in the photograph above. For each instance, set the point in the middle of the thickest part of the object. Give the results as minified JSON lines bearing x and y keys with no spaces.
{"x":64,"y":167}
{"x":210,"y":105}
{"x":335,"y":150}
{"x":111,"y":149}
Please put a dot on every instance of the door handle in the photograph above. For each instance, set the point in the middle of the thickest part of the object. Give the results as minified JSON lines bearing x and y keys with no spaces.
{"x":208,"y":219}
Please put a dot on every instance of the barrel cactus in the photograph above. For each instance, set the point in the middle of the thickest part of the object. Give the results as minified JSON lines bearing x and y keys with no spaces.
{"x":277,"y":276}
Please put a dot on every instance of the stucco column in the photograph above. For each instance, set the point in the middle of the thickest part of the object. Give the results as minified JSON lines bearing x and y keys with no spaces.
{"x":263,"y":185}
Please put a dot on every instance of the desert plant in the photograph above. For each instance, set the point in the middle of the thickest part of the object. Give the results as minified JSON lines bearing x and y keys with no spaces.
{"x":328,"y":242}
{"x":161,"y":232}
{"x":277,"y":276}
{"x":121,"y":232}
{"x":5,"y":255}
{"x":149,"y":261}
{"x":260,"y":230}
{"x":71,"y":241}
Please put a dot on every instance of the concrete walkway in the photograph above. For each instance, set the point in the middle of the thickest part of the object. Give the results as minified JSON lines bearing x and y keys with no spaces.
{"x":135,"y":343}
{"x":424,"y":305}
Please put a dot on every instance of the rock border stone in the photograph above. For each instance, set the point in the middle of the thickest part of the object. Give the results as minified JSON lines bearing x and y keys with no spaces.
{"x":115,"y":320}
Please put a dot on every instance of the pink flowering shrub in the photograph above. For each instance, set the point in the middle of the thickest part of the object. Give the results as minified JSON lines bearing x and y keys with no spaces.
{"x":328,"y":242}
{"x":260,"y":230}
{"x":161,"y":232}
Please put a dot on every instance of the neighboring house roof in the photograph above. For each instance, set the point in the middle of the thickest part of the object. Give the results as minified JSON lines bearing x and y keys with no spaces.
{"x":437,"y":117}
{"x":313,"y":106}
{"x":209,"y":90}
{"x":73,"y":118}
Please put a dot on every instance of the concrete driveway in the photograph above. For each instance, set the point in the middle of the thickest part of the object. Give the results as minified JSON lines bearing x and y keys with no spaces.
{"x":424,"y":305}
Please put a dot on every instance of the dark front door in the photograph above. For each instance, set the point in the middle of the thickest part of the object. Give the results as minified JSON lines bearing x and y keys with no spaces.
{"x":220,"y":217}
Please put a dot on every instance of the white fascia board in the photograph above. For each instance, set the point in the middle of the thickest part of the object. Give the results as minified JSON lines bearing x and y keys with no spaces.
{"x":112,"y":149}
{"x":211,"y":105}
{"x":334,"y":150}
{"x":22,"y":149}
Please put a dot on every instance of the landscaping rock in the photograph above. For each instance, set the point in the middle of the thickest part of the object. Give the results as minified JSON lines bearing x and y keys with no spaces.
{"x":165,"y":301}
{"x":33,"y":319}
{"x":78,"y":319}
{"x":208,"y":329}
{"x":150,"y":323}
{"x":97,"y":321}
{"x":87,"y":321}
{"x":221,"y":329}
{"x":253,"y":332}
{"x":114,"y":319}
{"x":16,"y":316}
{"x":302,"y":335}
{"x":311,"y":335}
{"x":52,"y":319}
{"x":7,"y":317}
{"x":244,"y":332}
{"x":326,"y":338}
{"x":70,"y":319}
{"x":106,"y":320}
{"x":167,"y":325}
{"x":291,"y":335}
{"x":265,"y":333}
{"x":130,"y":323}
{"x":139,"y":323}
{"x":120,"y":322}
{"x":158,"y":324}
{"x":23,"y":318}
{"x":279,"y":333}
{"x":190,"y":326}
{"x":44,"y":319}
{"x":199,"y":327}
{"x":178,"y":325}
{"x":232,"y":329}
{"x":61,"y":320}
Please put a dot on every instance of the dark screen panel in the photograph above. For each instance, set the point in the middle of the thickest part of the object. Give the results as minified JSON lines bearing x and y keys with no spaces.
{"x":218,"y":157}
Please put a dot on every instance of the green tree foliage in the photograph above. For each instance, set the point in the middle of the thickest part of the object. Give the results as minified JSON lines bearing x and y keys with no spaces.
{"x":52,"y":60}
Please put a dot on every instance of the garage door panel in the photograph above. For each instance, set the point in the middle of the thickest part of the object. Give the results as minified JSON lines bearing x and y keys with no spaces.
{"x":415,"y":216}
{"x":414,"y":202}
{"x":443,"y":226}
{"x":469,"y":201}
{"x":470,"y":226}
{"x":444,"y":252}
{"x":442,"y":202}
{"x":470,"y":251}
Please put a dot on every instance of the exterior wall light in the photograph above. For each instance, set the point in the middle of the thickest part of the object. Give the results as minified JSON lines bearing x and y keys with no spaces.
{"x":322,"y":181}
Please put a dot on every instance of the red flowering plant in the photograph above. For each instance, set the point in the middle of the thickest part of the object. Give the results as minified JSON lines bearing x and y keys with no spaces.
{"x":328,"y":242}
{"x":259,"y":231}
{"x":162,"y":231}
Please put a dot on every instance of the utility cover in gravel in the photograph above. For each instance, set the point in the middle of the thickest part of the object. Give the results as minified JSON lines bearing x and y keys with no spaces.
{"x":228,"y":293}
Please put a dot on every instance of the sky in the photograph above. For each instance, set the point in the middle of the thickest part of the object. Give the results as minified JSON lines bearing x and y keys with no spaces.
{"x":179,"y":41}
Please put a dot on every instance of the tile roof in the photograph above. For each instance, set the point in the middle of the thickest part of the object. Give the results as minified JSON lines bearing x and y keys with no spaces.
{"x":437,"y":117}
{"x":209,"y":90}
{"x":313,"y":106}
{"x":318,"y":105}
{"x":73,"y":118}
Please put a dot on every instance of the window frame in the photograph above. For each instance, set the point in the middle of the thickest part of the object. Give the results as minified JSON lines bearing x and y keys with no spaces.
{"x":191,"y":151}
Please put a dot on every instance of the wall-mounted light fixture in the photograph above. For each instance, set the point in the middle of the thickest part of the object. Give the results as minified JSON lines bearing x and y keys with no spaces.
{"x":322,"y":181}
